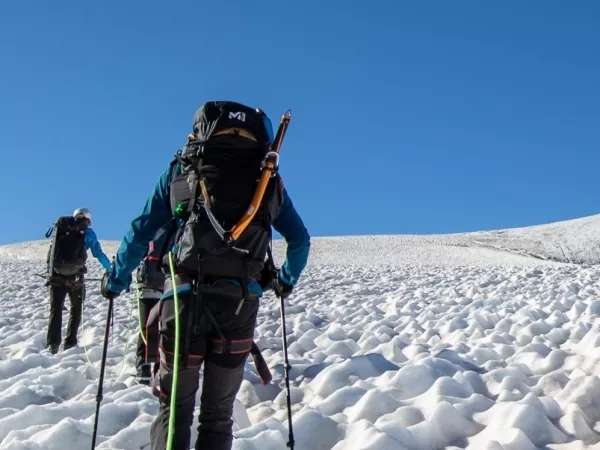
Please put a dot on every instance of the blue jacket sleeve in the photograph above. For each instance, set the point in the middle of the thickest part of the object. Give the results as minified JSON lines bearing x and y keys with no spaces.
{"x":289,"y":224}
{"x":91,"y":242}
{"x":155,"y":214}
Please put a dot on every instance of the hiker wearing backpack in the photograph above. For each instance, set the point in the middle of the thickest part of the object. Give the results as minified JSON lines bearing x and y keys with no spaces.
{"x":66,"y":266}
{"x":218,"y":261}
{"x":149,"y":284}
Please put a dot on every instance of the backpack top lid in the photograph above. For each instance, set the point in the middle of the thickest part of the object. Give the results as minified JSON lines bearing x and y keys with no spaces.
{"x":214,"y":116}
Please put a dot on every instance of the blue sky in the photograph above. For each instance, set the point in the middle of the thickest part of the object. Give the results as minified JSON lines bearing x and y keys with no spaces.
{"x":408,"y":117}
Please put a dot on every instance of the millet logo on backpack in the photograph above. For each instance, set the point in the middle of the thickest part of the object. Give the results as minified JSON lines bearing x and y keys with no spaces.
{"x":238,"y":115}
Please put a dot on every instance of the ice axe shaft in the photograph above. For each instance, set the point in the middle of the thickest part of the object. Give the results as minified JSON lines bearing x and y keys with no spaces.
{"x":270,"y":165}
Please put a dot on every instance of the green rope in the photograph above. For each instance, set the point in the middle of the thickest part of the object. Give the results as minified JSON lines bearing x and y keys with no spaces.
{"x":85,"y":350}
{"x":129,"y":328}
{"x":176,"y":358}
{"x":87,"y":357}
{"x":81,"y":332}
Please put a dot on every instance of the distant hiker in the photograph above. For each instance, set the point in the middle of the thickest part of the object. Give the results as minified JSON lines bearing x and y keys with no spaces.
{"x":66,"y":266}
{"x":207,"y":189}
{"x":149,"y":285}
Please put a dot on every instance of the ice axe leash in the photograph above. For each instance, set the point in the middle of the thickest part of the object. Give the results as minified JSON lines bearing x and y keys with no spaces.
{"x":102,"y":367}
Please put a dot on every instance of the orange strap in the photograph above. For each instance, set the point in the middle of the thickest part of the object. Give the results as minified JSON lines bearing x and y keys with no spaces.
{"x":239,"y":228}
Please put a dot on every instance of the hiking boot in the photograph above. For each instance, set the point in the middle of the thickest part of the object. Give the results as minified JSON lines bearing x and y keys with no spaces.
{"x":69,"y":345}
{"x":53,"y":349}
{"x":144,"y":374}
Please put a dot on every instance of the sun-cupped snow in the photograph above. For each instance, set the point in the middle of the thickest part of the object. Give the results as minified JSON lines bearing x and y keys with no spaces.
{"x":478,"y":341}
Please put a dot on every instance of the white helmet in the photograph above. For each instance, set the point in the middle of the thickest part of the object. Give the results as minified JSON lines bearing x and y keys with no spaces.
{"x":83,"y":212}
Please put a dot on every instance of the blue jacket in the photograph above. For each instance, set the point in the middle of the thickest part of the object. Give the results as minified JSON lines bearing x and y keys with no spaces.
{"x":157,"y":212}
{"x":91,"y":243}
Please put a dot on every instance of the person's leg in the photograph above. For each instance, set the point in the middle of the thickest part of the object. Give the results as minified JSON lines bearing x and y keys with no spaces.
{"x":77,"y":296}
{"x":58,"y":292}
{"x":188,"y":377}
{"x":147,"y":300}
{"x":224,"y":367}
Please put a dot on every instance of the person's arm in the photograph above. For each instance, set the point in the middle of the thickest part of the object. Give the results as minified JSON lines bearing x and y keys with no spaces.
{"x":155,"y":214}
{"x":289,"y":224}
{"x":91,"y":242}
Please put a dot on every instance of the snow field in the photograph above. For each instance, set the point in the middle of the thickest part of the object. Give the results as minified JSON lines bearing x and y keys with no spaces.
{"x":569,"y":241}
{"x":464,"y":357}
{"x":458,"y":353}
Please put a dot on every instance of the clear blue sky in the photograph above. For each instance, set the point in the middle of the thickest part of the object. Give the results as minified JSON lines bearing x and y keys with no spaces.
{"x":408,"y":117}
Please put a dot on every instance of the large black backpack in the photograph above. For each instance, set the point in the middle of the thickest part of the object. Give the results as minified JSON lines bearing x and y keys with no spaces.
{"x":67,"y":254}
{"x":220,"y":167}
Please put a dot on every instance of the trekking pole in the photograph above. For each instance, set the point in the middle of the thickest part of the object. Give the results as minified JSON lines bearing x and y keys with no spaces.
{"x":45,"y":277}
{"x":287,"y":368}
{"x":102,"y":367}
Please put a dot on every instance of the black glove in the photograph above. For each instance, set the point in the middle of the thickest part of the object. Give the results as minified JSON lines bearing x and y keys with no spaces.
{"x":106,"y":293}
{"x":281,"y":288}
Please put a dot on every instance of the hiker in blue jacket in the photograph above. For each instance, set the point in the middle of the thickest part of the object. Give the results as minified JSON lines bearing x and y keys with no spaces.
{"x":218,"y":306}
{"x":65,"y":265}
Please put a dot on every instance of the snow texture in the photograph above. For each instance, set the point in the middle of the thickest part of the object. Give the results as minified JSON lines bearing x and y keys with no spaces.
{"x":480,"y":341}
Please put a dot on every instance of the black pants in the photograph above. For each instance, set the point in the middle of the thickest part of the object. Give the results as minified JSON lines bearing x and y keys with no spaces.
{"x":148,"y":298}
{"x":59,"y":288}
{"x":223,"y":368}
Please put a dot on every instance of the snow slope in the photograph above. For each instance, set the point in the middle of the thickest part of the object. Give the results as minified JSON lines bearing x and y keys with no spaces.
{"x":396,"y":342}
{"x":573,"y":241}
